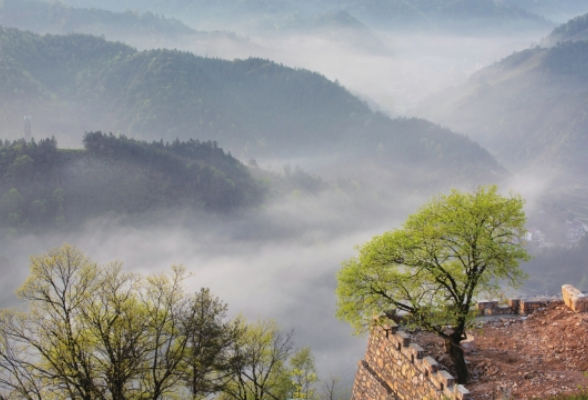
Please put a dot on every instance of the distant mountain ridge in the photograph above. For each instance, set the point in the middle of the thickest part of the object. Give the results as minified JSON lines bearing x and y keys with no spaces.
{"x":531,"y":109}
{"x":385,"y":13}
{"x":139,"y":29}
{"x":254,"y":108}
{"x":338,"y":26}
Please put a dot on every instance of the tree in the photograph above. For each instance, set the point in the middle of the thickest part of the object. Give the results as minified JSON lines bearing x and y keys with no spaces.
{"x":454,"y":248}
{"x":303,"y":374}
{"x":97,"y":333}
{"x":259,"y":369}
{"x":207,"y":365}
{"x":331,"y":389}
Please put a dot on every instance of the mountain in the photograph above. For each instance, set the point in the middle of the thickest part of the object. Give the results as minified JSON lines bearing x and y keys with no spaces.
{"x":553,"y":10}
{"x":42,"y":186}
{"x":338,"y":26}
{"x":254,"y":108}
{"x":142,"y":30}
{"x":530,"y":109}
{"x":389,"y":14}
{"x":575,"y":29}
{"x":476,"y":15}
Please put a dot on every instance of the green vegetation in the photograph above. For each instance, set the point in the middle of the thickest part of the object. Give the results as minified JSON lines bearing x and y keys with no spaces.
{"x":574,"y":29}
{"x":98,"y":332}
{"x":453,"y":249}
{"x":42,"y":186}
{"x":253,"y":107}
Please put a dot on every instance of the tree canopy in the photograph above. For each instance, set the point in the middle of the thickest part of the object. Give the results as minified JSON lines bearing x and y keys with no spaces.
{"x":42,"y":186}
{"x":96,"y":332}
{"x":433,"y":268}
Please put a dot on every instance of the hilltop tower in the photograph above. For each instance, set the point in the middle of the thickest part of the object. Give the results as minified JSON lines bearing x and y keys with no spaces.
{"x":27,"y":127}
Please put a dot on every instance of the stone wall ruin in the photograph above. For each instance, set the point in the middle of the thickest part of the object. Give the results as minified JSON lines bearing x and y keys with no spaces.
{"x":397,"y":368}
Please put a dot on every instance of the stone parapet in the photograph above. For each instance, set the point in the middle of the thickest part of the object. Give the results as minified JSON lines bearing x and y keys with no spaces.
{"x":396,"y":368}
{"x":487,"y":308}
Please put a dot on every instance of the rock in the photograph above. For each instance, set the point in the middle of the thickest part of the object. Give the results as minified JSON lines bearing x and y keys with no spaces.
{"x":574,"y":299}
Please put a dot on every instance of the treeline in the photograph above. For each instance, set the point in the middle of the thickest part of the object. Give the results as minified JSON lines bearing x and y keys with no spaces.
{"x":57,"y":17}
{"x":569,"y":30}
{"x":97,"y":332}
{"x":255,"y":107}
{"x":42,"y":186}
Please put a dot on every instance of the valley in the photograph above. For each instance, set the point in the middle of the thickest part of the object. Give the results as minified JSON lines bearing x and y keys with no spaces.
{"x":257,"y":142}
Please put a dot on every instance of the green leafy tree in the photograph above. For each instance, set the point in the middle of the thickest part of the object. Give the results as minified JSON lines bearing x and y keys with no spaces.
{"x":98,"y":333}
{"x":303,"y":374}
{"x":259,"y":368}
{"x":454,"y":248}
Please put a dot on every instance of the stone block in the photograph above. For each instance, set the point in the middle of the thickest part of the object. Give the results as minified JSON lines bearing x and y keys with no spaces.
{"x":416,"y":351}
{"x":504,"y":310}
{"x":431,"y":365}
{"x":514,"y":303}
{"x":487,"y":304}
{"x":390,"y":328}
{"x":574,"y":299}
{"x":462,"y":393}
{"x":404,"y":337}
{"x":448,"y":393}
{"x":529,"y":306}
{"x":444,"y":379}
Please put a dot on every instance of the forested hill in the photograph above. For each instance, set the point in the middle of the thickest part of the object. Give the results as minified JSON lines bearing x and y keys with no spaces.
{"x":42,"y":186}
{"x":142,"y":29}
{"x":575,"y":29}
{"x":530,"y":108}
{"x":254,"y":108}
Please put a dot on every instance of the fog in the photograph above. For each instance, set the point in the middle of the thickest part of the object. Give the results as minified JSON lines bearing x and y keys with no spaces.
{"x":392,"y":71}
{"x":281,"y":260}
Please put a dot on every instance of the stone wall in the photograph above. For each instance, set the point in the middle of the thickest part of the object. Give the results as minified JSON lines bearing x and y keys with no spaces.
{"x":515,"y":306}
{"x":396,"y":368}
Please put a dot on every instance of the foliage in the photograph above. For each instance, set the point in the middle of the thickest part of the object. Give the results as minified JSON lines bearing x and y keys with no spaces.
{"x":260,"y":368}
{"x":569,"y":29}
{"x":266,"y":368}
{"x":303,"y":374}
{"x":42,"y":186}
{"x":254,"y":107}
{"x":454,"y":248}
{"x":93,"y":332}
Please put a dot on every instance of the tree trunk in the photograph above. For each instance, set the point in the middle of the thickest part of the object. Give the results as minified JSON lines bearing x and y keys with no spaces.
{"x":455,"y":351}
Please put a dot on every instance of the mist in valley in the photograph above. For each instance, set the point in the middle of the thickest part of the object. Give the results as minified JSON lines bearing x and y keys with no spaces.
{"x":279,"y":262}
{"x":279,"y":259}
